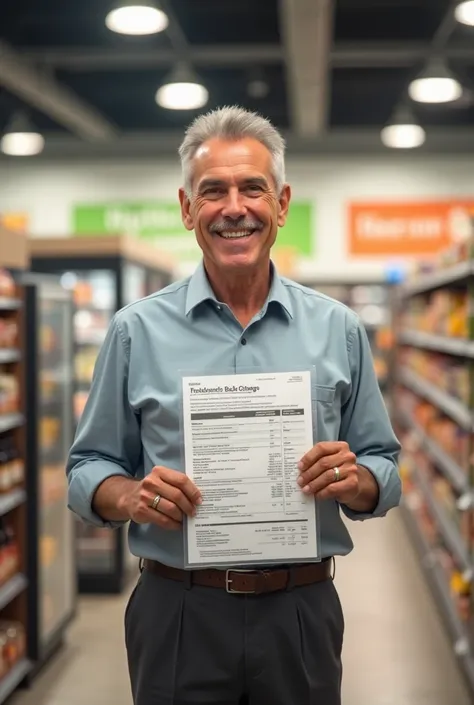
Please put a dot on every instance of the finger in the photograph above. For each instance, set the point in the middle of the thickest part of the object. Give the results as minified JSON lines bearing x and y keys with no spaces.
{"x":151,"y":516}
{"x":328,"y":462}
{"x":321,"y":481}
{"x":319,"y":451}
{"x":172,"y":495}
{"x":169,"y":509}
{"x":342,"y":491}
{"x":181,"y":481}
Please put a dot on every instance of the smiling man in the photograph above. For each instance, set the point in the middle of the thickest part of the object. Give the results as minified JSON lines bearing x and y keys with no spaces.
{"x":275,"y":637}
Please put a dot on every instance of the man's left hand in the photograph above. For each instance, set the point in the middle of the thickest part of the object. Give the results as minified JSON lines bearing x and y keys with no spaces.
{"x":319,"y":477}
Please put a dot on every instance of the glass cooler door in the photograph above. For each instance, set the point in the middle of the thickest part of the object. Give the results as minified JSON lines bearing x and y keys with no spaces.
{"x":56,"y":560}
{"x":95,"y":302}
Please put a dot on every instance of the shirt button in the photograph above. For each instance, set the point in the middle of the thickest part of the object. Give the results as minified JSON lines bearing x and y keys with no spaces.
{"x":219,"y":308}
{"x":244,"y":341}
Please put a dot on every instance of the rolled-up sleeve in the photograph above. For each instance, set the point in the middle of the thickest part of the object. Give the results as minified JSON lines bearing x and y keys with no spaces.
{"x":366,"y":427}
{"x":108,"y":440}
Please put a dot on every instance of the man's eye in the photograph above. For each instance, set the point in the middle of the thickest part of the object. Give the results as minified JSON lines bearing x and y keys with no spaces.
{"x":212,"y":191}
{"x":254,"y":187}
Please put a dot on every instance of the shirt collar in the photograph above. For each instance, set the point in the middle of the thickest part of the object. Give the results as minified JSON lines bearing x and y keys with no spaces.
{"x":200,"y":290}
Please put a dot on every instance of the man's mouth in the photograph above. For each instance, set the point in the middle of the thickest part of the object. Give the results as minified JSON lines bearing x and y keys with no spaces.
{"x":235,"y":234}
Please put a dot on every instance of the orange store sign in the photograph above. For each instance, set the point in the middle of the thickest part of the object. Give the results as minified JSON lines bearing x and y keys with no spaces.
{"x":418,"y":228}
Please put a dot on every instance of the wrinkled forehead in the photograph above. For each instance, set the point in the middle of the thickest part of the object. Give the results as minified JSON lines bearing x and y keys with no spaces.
{"x":232,"y":160}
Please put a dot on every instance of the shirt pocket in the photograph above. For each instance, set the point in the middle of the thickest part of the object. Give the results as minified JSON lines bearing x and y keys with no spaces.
{"x":326,"y":413}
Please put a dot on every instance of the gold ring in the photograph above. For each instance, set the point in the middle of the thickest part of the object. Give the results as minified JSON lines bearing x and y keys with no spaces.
{"x":337,"y":475}
{"x":156,"y":502}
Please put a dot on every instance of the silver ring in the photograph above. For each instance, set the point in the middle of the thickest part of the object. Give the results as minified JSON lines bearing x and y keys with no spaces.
{"x":337,"y":474}
{"x":156,"y":501}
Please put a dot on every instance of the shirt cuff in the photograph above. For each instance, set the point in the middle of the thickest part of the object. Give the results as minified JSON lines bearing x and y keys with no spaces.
{"x":388,"y":480}
{"x":83,"y":484}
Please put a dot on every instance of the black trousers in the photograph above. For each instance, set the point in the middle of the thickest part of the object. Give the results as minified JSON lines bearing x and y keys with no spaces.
{"x":201,"y":645}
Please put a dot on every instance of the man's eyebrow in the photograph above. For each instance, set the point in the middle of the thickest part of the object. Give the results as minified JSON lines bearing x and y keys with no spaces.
{"x":213,"y":183}
{"x":207,"y":183}
{"x":256,"y":180}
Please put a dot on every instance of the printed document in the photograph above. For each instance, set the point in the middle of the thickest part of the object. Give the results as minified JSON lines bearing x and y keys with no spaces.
{"x":243,"y":437}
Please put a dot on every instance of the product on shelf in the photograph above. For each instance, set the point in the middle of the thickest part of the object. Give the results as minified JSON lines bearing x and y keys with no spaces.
{"x":53,"y":484}
{"x":438,"y":427}
{"x":12,"y":466}
{"x":48,"y":550}
{"x":7,"y":285}
{"x":12,"y":645}
{"x":8,"y":333}
{"x":9,"y":551}
{"x":48,"y":338}
{"x":85,"y":360}
{"x":50,"y":427}
{"x":447,"y":373}
{"x":444,"y":312}
{"x":9,"y":391}
{"x":412,"y":463}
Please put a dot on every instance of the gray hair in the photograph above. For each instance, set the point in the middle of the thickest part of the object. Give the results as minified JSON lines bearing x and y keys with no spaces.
{"x":232,"y":123}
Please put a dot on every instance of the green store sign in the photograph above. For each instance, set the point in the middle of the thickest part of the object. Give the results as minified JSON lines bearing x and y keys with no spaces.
{"x":160,"y":223}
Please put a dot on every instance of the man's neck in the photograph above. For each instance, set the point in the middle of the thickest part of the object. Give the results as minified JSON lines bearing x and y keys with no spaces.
{"x":244,"y":292}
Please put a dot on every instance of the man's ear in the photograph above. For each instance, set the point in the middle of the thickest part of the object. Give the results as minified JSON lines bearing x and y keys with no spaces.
{"x":186,"y":216}
{"x":284,"y":202}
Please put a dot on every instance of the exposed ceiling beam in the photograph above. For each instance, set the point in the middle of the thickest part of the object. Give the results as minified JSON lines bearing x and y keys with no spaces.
{"x":84,"y":59}
{"x":338,"y":141}
{"x":38,"y":89}
{"x":342,"y":55}
{"x":306,"y":27}
{"x":392,"y":54}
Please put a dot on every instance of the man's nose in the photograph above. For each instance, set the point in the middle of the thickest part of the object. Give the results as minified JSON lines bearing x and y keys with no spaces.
{"x":234,"y":206}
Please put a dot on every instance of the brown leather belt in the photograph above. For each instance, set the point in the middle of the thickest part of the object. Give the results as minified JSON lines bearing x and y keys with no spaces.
{"x":255,"y":582}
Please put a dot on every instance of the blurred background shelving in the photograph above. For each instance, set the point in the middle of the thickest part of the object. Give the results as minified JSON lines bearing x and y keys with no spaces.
{"x":103,"y":275}
{"x":434,"y":415}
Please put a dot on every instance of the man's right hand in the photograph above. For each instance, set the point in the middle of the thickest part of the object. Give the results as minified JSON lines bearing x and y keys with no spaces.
{"x":179,"y":496}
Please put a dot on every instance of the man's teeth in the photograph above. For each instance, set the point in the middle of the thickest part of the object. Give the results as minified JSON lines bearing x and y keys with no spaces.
{"x":233,"y":235}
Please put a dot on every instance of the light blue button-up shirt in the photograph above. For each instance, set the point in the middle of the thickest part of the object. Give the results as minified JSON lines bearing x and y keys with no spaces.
{"x":132,"y":420}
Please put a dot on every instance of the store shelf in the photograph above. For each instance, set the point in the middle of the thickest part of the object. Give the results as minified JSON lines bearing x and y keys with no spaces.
{"x":9,"y":304}
{"x":446,"y":403}
{"x":11,"y":501}
{"x":436,"y":580}
{"x":9,"y":355}
{"x":448,"y":531}
{"x":10,"y":421}
{"x":438,"y":343}
{"x":451,"y":470}
{"x":14,"y":679}
{"x":11,"y":589}
{"x":443,"y":277}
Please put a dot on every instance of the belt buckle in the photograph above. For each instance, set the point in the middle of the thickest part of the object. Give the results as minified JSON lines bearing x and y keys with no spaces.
{"x":228,"y":581}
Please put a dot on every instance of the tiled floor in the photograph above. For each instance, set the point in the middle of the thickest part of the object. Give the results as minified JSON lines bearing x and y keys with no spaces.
{"x":396,"y":652}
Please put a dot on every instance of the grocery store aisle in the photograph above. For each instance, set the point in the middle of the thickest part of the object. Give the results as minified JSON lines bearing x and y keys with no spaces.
{"x":395,"y":649}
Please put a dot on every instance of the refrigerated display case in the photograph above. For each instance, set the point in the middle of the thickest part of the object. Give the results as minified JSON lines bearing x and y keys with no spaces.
{"x":51,"y":526}
{"x":104,"y":275}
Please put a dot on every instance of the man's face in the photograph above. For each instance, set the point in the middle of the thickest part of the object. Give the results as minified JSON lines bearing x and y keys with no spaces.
{"x":234,"y":209}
